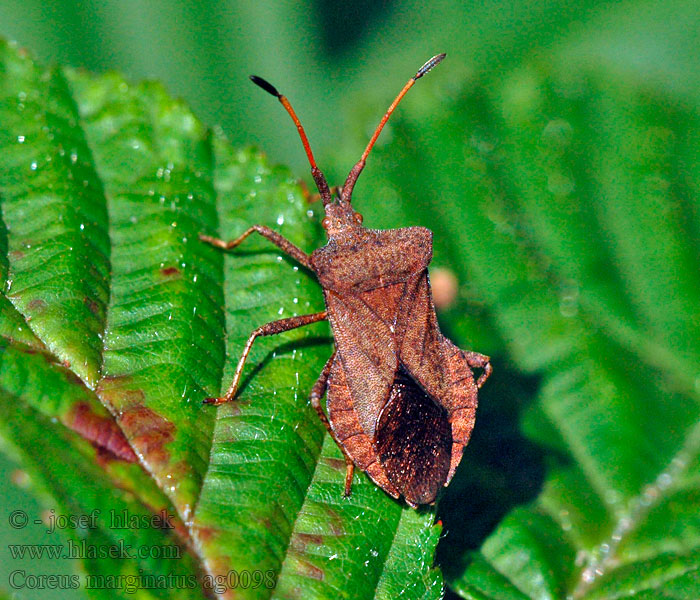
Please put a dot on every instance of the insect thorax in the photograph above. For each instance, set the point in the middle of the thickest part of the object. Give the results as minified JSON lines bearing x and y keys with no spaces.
{"x":369,"y":258}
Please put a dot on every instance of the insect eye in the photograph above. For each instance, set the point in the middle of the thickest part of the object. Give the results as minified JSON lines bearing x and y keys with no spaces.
{"x":325,"y":223}
{"x":358,"y":218}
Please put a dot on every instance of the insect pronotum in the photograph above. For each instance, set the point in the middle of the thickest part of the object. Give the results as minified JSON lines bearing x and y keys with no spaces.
{"x":401,"y":398}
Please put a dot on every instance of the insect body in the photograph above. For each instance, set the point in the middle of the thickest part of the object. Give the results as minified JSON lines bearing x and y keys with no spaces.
{"x":401,"y":398}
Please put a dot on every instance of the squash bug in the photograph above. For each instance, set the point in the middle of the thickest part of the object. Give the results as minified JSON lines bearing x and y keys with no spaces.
{"x":401,"y":398}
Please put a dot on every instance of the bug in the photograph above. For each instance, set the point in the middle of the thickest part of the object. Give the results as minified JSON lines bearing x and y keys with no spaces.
{"x":401,"y":398}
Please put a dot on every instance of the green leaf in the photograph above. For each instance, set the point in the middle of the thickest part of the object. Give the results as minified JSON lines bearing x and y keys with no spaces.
{"x":54,"y":210}
{"x":75,"y":478}
{"x":105,"y":188}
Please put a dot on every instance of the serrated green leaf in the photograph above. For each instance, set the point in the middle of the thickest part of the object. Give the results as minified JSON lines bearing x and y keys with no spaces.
{"x":253,"y":481}
{"x":164,"y":331}
{"x":54,"y":209}
{"x":76,"y":480}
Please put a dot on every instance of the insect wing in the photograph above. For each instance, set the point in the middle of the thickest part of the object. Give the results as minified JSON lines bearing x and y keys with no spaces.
{"x":418,"y":336}
{"x":437,"y":364}
{"x":367,"y":352}
{"x":460,"y":400}
{"x":440,"y":369}
{"x":348,"y":431}
{"x":413,"y":440}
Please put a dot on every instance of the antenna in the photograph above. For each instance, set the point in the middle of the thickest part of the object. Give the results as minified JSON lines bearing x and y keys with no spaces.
{"x":357,"y":169}
{"x":319,"y":178}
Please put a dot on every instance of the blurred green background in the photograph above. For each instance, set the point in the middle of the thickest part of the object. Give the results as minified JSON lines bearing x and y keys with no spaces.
{"x":338,"y":60}
{"x":340,"y":64}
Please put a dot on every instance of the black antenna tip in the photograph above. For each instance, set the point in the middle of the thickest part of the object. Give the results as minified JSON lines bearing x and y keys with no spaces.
{"x":429,"y":65}
{"x":266,"y":85}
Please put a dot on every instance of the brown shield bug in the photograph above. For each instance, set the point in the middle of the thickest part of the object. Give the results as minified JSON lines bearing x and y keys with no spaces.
{"x":401,"y":397}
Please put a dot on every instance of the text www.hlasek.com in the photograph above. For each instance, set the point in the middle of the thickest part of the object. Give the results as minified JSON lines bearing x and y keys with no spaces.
{"x":83,"y":550}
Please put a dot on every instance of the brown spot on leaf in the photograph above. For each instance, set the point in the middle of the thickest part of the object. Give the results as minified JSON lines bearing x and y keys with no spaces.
{"x":218,"y":565}
{"x":94,"y":272}
{"x":335,"y":522}
{"x":36,"y":305}
{"x":301,"y":540}
{"x":111,"y":391}
{"x":150,"y":432}
{"x":205,"y":534}
{"x":17,"y":254}
{"x":306,"y":569}
{"x":101,"y":430}
{"x":93,"y":306}
{"x":267,"y":524}
{"x":276,"y":528}
{"x":170,"y":271}
{"x":334,"y":463}
{"x":115,"y":379}
{"x":20,"y":478}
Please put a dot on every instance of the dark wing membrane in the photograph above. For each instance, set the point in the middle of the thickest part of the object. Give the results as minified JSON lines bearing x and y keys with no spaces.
{"x":367,"y":352}
{"x":414,"y":440}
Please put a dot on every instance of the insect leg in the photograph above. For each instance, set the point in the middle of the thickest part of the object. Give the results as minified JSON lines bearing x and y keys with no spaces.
{"x":317,"y":392}
{"x":348,"y":476}
{"x":281,"y":242}
{"x":479,"y":361}
{"x":269,"y":329}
